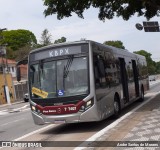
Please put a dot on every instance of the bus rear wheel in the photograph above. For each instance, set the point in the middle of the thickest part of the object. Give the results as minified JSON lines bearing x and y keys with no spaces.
{"x":142,"y":95}
{"x":117,"y":107}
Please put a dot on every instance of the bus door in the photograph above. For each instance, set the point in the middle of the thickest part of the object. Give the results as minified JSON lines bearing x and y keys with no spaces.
{"x":124,"y":80}
{"x":135,"y":74}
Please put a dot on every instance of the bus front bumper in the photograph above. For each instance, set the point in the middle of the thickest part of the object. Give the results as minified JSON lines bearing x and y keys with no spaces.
{"x":87,"y":116}
{"x":56,"y":119}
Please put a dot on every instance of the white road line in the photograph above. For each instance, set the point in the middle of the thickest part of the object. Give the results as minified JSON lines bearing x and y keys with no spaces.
{"x":20,"y":108}
{"x":11,"y":122}
{"x":3,"y":113}
{"x":7,"y":111}
{"x":34,"y":132}
{"x":26,"y":109}
{"x":106,"y":129}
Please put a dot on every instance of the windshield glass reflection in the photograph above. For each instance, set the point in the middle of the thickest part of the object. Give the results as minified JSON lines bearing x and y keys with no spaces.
{"x":61,"y":78}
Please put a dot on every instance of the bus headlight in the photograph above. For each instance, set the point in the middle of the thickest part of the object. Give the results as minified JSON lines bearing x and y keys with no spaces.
{"x":35,"y":109}
{"x":86,"y":105}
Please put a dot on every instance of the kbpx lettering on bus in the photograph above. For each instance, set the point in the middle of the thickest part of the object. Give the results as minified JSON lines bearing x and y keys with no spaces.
{"x":59,"y":52}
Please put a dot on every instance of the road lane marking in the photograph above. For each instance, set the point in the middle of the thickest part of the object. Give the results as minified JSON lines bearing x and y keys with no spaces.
{"x":106,"y":129}
{"x":34,"y":132}
{"x":11,"y":122}
{"x":26,"y":109}
{"x":3,"y":113}
{"x":21,"y":109}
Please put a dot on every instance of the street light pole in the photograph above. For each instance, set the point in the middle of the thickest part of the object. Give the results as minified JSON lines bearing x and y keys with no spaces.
{"x":3,"y":54}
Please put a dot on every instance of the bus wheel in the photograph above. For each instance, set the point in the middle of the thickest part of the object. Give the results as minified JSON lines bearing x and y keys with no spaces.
{"x":117,"y":107}
{"x":142,"y":95}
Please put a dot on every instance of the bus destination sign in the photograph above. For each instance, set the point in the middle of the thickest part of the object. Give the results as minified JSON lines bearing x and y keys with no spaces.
{"x":59,"y":52}
{"x":55,"y":52}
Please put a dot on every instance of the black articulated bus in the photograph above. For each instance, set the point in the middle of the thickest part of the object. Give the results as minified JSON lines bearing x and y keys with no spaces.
{"x":83,"y":81}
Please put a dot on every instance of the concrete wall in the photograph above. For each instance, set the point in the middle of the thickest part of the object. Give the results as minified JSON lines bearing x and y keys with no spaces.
{"x":10,"y":85}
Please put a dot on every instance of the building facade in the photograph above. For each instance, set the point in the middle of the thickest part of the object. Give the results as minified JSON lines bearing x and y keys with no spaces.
{"x":9,"y":66}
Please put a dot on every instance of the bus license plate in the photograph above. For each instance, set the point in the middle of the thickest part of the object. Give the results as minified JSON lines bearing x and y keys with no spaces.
{"x":59,"y":121}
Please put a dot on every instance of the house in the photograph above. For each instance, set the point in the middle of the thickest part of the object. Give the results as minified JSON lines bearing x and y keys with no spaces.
{"x":10,"y":67}
{"x":24,"y":71}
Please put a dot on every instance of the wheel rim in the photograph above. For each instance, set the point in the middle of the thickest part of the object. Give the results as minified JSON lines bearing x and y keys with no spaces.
{"x":116,"y":106}
{"x":142,"y":94}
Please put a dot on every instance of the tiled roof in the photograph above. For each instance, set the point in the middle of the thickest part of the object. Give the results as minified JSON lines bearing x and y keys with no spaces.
{"x":9,"y":61}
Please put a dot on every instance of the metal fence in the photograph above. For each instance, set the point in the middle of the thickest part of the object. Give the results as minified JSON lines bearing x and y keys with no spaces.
{"x":20,"y":90}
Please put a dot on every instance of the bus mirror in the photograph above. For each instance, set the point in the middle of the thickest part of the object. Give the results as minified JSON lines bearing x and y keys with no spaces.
{"x":18,"y":74}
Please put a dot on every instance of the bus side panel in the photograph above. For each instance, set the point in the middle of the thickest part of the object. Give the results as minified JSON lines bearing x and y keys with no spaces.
{"x":107,"y":79}
{"x":143,"y":74}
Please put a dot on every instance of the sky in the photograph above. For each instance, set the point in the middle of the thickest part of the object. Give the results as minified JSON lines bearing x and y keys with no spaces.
{"x":28,"y":15}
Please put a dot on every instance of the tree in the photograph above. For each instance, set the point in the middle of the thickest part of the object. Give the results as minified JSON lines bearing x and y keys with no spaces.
{"x":158,"y":67}
{"x":22,"y":53}
{"x":61,"y":40}
{"x":16,"y":39}
{"x":107,"y":8}
{"x":117,"y":44}
{"x":150,"y":63}
{"x":45,"y":38}
{"x":10,"y":53}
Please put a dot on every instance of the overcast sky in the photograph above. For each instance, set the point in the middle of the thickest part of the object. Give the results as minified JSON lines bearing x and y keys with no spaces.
{"x":28,"y":14}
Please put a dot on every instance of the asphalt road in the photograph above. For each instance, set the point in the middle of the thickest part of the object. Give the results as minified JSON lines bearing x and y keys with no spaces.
{"x":17,"y":121}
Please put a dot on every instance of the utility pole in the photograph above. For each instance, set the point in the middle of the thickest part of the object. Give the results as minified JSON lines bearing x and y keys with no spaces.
{"x":3,"y":54}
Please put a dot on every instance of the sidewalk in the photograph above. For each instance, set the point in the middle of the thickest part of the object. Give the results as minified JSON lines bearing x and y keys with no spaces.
{"x":141,"y":125}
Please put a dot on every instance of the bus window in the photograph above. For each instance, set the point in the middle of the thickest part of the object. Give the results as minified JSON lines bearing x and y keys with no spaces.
{"x":99,"y":71}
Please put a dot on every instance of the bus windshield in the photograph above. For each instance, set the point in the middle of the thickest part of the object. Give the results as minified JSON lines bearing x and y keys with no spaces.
{"x":59,"y":78}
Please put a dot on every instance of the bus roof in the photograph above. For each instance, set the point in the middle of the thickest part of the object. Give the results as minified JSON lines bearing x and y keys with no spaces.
{"x":114,"y":49}
{"x":59,"y":45}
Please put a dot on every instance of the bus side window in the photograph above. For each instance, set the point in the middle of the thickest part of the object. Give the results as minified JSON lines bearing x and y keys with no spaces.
{"x":99,"y":71}
{"x":97,"y":77}
{"x":101,"y":68}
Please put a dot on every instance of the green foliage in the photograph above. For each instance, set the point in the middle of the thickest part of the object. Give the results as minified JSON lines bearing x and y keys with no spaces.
{"x":16,"y":39}
{"x":158,"y":67}
{"x":45,"y":38}
{"x":107,"y":8}
{"x":147,"y":55}
{"x":117,"y":44}
{"x":150,"y":63}
{"x":61,"y":40}
{"x":22,"y":53}
{"x":10,"y":53}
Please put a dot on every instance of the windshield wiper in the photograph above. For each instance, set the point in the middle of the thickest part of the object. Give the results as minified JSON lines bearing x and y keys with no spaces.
{"x":40,"y":71}
{"x":67,"y":67}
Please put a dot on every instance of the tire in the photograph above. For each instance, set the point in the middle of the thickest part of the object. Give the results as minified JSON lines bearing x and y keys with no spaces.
{"x":142,"y":95}
{"x":117,"y":108}
{"x":25,"y":100}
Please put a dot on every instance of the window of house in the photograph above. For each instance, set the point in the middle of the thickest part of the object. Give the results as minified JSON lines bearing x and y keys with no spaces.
{"x":9,"y":69}
{"x":12,"y":69}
